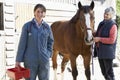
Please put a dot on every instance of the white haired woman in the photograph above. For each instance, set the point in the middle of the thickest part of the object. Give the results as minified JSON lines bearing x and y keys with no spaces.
{"x":105,"y":39}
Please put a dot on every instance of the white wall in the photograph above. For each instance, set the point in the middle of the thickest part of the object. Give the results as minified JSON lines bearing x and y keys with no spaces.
{"x":2,"y":56}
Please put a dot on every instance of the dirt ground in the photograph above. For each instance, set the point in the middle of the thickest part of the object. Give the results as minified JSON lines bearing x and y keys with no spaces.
{"x":81,"y":76}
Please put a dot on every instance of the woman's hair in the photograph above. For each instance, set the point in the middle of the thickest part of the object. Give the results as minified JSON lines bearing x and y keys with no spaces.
{"x":40,"y":6}
{"x":110,"y":10}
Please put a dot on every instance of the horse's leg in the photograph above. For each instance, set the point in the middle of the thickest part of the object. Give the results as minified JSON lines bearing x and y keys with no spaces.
{"x":54,"y":63}
{"x":63,"y":64}
{"x":73,"y":66}
{"x":86,"y":61}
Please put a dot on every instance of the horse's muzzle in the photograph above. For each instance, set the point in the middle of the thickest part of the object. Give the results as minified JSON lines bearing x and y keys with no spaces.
{"x":88,"y":42}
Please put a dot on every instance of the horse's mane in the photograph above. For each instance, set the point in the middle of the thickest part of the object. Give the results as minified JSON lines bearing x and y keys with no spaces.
{"x":75,"y":17}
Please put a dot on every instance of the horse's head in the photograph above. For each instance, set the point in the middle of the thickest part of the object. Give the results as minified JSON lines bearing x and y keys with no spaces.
{"x":86,"y":21}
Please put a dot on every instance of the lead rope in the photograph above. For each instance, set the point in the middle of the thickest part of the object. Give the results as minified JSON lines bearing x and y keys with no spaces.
{"x":92,"y":50}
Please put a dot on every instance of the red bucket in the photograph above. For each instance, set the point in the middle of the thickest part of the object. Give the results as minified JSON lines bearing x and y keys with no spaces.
{"x":16,"y":74}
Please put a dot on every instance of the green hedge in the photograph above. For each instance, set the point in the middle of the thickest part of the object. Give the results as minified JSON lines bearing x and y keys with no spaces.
{"x":118,"y":20}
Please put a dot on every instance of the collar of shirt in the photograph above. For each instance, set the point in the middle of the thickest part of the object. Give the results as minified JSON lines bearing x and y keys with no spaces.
{"x":38,"y":25}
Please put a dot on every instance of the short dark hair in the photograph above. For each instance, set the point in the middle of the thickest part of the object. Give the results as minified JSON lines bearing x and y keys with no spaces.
{"x":40,"y":6}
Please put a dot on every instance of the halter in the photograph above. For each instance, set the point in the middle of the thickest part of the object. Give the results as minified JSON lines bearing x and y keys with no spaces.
{"x":88,"y":43}
{"x":84,"y":30}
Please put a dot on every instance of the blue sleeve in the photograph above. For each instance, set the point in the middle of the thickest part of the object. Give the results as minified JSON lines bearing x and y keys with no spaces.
{"x":22,"y":44}
{"x":50,"y":43}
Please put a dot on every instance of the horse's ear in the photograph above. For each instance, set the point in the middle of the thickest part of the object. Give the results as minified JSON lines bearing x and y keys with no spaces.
{"x":92,"y":5}
{"x":79,"y":5}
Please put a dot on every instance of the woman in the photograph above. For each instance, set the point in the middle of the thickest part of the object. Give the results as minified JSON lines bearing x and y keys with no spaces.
{"x":35,"y":46}
{"x":105,"y":39}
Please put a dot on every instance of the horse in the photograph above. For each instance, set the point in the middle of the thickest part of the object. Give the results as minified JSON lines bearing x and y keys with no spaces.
{"x":73,"y":38}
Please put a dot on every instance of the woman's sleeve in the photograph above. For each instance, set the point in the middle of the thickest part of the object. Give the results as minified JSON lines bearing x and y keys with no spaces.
{"x":22,"y":45}
{"x":112,"y":36}
{"x":50,"y":43}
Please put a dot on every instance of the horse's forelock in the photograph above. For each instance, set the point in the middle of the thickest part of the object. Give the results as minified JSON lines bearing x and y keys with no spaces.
{"x":86,"y":9}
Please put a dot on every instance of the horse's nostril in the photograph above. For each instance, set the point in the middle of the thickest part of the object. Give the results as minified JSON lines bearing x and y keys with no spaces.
{"x":88,"y":41}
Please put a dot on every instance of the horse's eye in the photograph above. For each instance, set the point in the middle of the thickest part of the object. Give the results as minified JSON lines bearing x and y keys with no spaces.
{"x":81,"y":18}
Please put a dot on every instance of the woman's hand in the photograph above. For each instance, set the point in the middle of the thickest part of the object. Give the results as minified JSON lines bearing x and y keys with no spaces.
{"x":94,"y":32}
{"x":17,"y":64}
{"x":96,"y":39}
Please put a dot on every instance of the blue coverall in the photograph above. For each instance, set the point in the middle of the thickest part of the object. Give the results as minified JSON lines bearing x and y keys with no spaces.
{"x":35,"y":49}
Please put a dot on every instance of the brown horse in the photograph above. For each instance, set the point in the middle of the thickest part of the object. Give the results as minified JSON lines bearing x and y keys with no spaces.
{"x":73,"y":38}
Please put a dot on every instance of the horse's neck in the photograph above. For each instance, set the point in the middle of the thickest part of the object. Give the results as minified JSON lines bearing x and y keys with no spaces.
{"x":78,"y":29}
